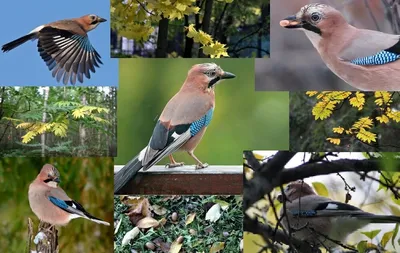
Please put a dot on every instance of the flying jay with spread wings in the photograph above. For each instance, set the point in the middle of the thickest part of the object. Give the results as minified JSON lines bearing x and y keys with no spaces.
{"x":51,"y":204}
{"x":182,"y":123}
{"x":65,"y":47}
{"x":365,"y":59}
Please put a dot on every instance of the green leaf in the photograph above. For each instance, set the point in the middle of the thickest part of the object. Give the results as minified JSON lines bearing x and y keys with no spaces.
{"x":396,"y":230}
{"x":362,"y":246}
{"x":386,"y":237}
{"x":371,"y":234}
{"x":321,"y":189}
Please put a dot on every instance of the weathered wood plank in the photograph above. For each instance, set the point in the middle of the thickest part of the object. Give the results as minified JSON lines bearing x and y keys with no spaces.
{"x":158,"y":180}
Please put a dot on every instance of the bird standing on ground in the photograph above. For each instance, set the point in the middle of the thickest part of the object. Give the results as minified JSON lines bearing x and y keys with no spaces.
{"x":51,"y":204}
{"x":182,"y":123}
{"x":365,"y":59}
{"x":65,"y":47}
{"x":322,"y":221}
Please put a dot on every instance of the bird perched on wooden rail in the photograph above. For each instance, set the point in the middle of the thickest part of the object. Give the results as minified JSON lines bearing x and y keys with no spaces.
{"x":365,"y":59}
{"x":51,"y":204}
{"x":320,"y":220}
{"x":65,"y":47}
{"x":182,"y":123}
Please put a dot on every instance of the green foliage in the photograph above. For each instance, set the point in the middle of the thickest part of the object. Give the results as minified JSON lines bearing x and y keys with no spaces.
{"x":83,"y":179}
{"x":28,"y":114}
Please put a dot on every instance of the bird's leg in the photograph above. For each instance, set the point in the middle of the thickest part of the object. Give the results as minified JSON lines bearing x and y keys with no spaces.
{"x":199,"y":164}
{"x":173,"y":163}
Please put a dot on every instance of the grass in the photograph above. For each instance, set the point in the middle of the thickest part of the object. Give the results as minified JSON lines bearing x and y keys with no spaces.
{"x":198,"y":236}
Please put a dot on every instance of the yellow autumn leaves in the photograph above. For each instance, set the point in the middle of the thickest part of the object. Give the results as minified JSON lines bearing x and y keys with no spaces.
{"x":59,"y":127}
{"x":135,"y":20}
{"x":329,"y":101}
{"x":214,"y":49}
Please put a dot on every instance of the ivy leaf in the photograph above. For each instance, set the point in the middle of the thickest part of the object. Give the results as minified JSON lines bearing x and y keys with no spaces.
{"x":386,"y":237}
{"x":321,"y":189}
{"x":371,"y":234}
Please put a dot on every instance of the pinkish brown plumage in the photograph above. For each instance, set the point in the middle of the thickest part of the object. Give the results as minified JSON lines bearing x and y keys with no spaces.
{"x":51,"y":204}
{"x":365,"y":59}
{"x":182,"y":123}
{"x":65,"y":47}
{"x":322,"y":221}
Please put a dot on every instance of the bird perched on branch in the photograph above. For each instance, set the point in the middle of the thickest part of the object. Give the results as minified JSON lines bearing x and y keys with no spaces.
{"x":365,"y":59}
{"x":51,"y":204}
{"x":182,"y":123}
{"x":65,"y":47}
{"x":322,"y":221}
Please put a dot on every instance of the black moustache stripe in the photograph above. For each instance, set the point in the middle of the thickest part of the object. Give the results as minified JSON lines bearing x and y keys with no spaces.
{"x":213,"y":81}
{"x":311,"y":28}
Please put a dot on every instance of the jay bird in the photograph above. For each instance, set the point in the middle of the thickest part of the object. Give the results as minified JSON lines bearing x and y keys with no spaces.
{"x":182,"y":123}
{"x":322,"y":221}
{"x":65,"y":47}
{"x":51,"y":204}
{"x":365,"y":59}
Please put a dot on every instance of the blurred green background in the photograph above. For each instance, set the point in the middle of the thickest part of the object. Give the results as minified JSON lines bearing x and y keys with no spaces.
{"x":83,"y":179}
{"x":243,"y":119}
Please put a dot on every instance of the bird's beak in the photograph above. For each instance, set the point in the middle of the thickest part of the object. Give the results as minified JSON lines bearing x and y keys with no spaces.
{"x":280,"y":198}
{"x":101,"y":20}
{"x":227,"y":75}
{"x":291,"y":22}
{"x":57,"y":180}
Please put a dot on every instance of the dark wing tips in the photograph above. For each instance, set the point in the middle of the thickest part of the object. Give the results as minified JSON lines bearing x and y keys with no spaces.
{"x":69,"y":56}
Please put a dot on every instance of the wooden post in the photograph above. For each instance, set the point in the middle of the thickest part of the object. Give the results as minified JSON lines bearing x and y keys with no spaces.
{"x":45,"y":240}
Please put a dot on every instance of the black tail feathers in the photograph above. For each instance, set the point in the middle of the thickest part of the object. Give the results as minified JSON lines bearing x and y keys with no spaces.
{"x":126,"y":174}
{"x":15,"y":43}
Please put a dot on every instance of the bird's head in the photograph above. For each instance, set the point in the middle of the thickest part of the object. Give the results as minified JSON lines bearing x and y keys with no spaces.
{"x":206,"y":75}
{"x":317,"y":18}
{"x":296,"y":190}
{"x":49,"y":175}
{"x":91,"y":21}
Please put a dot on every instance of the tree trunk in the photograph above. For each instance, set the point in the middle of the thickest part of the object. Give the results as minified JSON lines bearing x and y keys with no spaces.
{"x":205,"y":24}
{"x":162,"y":40}
{"x":45,"y":240}
{"x":46,"y":91}
{"x":82,"y":130}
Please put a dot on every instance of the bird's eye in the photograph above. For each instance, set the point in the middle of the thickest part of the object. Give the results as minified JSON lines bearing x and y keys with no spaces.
{"x":93,"y":17}
{"x":315,"y":16}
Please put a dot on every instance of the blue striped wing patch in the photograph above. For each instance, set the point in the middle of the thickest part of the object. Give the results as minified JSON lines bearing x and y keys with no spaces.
{"x":204,"y":121}
{"x":380,"y":58}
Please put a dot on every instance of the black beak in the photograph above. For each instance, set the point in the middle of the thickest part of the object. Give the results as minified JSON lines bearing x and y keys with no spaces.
{"x":101,"y":20}
{"x":280,"y":198}
{"x":227,"y":75}
{"x":57,"y":180}
{"x":291,"y":22}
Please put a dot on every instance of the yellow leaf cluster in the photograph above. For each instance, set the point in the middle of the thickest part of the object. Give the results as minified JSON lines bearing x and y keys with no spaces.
{"x":358,"y":100}
{"x":60,"y":126}
{"x":214,"y":49}
{"x":133,"y":19}
{"x":87,"y":111}
{"x":335,"y":141}
{"x":327,"y":102}
{"x":37,"y":128}
{"x":383,"y":98}
{"x":361,"y":129}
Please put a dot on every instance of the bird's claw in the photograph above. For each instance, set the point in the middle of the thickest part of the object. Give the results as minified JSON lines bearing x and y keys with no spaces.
{"x":200,"y":166}
{"x":174,"y":165}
